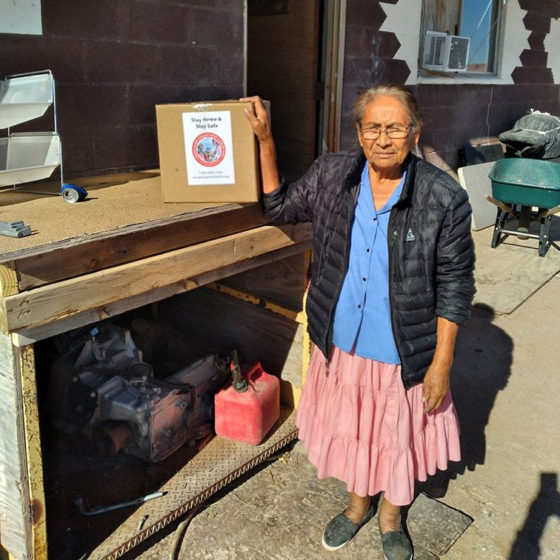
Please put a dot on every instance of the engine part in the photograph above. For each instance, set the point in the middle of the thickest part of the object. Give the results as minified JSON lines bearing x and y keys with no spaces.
{"x":116,"y":401}
{"x":112,"y":436}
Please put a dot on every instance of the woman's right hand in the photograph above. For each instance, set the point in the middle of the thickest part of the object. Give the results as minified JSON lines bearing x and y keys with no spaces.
{"x":258,"y":118}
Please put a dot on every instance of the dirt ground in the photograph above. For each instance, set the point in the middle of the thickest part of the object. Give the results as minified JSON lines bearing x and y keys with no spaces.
{"x":506,"y":386}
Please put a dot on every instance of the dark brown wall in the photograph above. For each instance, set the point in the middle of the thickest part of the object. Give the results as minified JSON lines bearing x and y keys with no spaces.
{"x":113,"y":60}
{"x":453,"y":115}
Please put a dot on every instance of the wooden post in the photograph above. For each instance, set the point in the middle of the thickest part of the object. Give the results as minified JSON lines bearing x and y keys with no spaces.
{"x":22,"y":510}
{"x":34,"y":453}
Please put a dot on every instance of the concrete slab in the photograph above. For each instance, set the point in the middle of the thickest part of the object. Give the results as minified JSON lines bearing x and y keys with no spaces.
{"x":509,"y":274}
{"x":506,"y":389}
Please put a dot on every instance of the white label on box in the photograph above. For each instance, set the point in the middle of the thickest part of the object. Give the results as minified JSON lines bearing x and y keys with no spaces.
{"x":208,"y":148}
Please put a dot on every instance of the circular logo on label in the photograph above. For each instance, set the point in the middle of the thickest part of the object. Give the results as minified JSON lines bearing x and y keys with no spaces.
{"x":208,"y":149}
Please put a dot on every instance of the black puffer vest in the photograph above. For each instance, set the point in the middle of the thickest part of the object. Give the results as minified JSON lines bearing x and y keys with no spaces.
{"x":431,"y":254}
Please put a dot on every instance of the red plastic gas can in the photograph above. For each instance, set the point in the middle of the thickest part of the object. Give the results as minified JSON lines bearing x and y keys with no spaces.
{"x":248,"y":416}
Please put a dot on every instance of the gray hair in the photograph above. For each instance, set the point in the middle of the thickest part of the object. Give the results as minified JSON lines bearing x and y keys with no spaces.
{"x":401,"y":93}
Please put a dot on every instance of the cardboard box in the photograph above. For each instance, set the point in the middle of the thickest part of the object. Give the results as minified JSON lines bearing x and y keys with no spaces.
{"x":207,"y":152}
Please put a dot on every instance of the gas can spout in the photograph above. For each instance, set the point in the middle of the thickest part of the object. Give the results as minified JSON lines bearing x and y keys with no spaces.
{"x":239,"y":383}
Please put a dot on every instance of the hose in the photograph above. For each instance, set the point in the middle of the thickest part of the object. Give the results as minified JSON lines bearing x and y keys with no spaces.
{"x":181,"y":531}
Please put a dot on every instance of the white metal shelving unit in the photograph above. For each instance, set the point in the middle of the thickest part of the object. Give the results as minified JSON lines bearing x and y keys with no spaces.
{"x":28,"y":156}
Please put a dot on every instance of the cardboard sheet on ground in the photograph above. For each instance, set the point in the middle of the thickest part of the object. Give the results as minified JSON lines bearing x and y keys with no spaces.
{"x":474,"y":179}
{"x":509,"y":274}
{"x":435,"y":525}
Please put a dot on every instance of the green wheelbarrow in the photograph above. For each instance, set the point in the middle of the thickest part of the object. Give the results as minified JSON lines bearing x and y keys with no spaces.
{"x":525,"y":183}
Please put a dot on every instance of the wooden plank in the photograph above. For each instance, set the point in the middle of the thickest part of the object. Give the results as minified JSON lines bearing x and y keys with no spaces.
{"x":293,"y":314}
{"x":93,"y":291}
{"x":290,"y":374}
{"x":34,"y":334}
{"x":34,"y":453}
{"x":283,"y":282}
{"x":8,"y":279}
{"x":70,"y":258}
{"x":224,"y":322}
{"x":307,"y":347}
{"x":15,"y":514}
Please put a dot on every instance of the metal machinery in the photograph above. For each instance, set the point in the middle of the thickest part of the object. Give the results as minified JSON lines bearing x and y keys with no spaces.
{"x":111,"y":395}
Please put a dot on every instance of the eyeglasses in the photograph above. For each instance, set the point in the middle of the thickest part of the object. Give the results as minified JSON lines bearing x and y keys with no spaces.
{"x":392,"y":132}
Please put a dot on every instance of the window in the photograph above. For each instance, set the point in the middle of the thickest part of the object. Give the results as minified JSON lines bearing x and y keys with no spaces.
{"x":460,"y":35}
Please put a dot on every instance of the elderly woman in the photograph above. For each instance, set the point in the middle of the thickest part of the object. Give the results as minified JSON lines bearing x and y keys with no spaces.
{"x":391,"y":283}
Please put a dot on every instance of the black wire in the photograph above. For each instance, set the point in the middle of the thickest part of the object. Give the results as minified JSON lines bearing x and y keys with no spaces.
{"x":181,"y":531}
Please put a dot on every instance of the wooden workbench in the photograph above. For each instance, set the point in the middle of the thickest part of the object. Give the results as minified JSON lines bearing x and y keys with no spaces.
{"x":118,"y":250}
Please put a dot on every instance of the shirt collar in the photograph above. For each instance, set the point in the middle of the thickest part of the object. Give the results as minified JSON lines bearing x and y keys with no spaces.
{"x":395,"y":195}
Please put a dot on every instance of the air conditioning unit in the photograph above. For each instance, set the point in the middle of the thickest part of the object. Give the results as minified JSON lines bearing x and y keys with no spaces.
{"x":457,"y":50}
{"x":434,"y":50}
{"x":448,"y":53}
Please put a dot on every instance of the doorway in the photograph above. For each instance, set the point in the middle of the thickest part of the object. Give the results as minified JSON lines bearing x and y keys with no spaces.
{"x":294,"y":59}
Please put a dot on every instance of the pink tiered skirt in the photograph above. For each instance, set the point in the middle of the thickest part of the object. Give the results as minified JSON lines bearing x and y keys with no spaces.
{"x":360,"y":425}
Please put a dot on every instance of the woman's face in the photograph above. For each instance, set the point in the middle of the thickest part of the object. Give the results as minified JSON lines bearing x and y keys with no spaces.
{"x":385,"y":154}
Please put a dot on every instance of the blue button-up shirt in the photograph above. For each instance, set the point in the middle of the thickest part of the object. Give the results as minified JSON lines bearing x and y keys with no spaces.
{"x":362,"y":319}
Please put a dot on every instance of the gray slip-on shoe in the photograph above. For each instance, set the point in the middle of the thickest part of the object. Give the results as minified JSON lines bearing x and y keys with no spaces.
{"x":340,"y":530}
{"x":396,"y":545}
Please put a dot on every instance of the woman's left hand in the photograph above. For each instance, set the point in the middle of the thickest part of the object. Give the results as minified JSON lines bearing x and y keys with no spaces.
{"x":436,"y":386}
{"x":436,"y":380}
